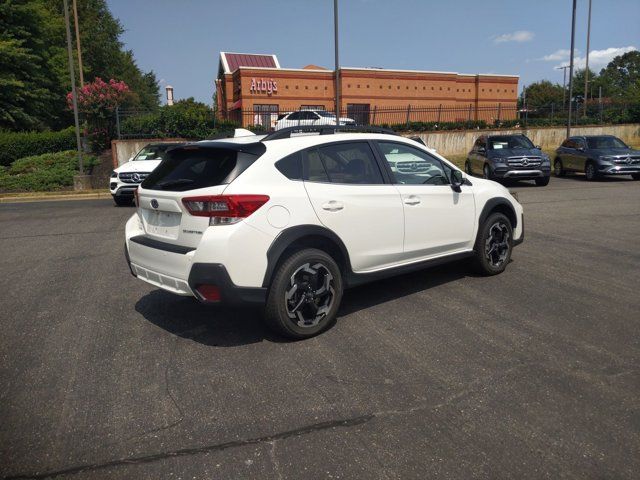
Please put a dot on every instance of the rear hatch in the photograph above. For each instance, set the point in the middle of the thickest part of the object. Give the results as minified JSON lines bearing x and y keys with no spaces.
{"x":191,"y":171}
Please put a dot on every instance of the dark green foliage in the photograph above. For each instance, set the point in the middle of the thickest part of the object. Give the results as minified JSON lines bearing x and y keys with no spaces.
{"x":14,"y":145}
{"x":34,"y":71}
{"x":185,"y":119}
{"x":51,"y":171}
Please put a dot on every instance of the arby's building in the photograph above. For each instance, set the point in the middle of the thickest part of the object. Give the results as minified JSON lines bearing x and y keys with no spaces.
{"x":251,"y":87}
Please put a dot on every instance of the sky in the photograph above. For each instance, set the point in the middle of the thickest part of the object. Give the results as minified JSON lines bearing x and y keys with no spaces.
{"x":180,"y":40}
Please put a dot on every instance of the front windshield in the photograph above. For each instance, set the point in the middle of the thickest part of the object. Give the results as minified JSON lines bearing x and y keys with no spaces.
{"x":605,"y":142}
{"x":514,"y":142}
{"x":152,"y":152}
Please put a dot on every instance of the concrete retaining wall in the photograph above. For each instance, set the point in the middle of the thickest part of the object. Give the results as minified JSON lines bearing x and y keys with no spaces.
{"x":123,"y":150}
{"x":460,"y":142}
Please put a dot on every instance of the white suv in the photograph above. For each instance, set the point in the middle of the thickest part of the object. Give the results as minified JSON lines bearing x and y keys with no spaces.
{"x":125,"y":179}
{"x":303,"y":118}
{"x":292,"y":221}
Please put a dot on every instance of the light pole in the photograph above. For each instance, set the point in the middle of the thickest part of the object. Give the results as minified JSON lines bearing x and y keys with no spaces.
{"x":564,"y":85}
{"x":573,"y":38}
{"x":75,"y":20}
{"x":337,"y":74}
{"x":73,"y":86}
{"x":586,"y":68}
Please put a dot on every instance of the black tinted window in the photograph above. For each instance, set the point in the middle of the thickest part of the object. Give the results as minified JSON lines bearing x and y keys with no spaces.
{"x":193,"y":167}
{"x":509,"y":141}
{"x":291,"y":166}
{"x":605,"y":142}
{"x":295,"y":116}
{"x":410,"y":165}
{"x":351,"y":163}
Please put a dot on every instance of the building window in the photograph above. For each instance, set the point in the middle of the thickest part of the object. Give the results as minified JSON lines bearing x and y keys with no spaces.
{"x":265,"y":115}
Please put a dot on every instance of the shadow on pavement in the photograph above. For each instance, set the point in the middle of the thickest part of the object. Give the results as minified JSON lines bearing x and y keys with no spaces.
{"x":231,"y":327}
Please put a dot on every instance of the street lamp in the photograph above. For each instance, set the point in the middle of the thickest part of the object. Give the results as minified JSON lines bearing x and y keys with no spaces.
{"x":564,"y":85}
{"x":573,"y":38}
{"x":337,"y":71}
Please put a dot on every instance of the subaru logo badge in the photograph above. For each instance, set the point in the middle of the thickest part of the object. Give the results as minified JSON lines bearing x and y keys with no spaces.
{"x":135,"y":177}
{"x":154,"y":203}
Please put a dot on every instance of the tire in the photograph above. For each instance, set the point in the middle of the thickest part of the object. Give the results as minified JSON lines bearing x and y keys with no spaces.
{"x":467,"y":168}
{"x":558,"y":168}
{"x":306,"y":280}
{"x":494,"y":245}
{"x":590,"y":172}
{"x":486,"y":172}
{"x":635,"y":176}
{"x":542,"y":182}
{"x":123,"y":201}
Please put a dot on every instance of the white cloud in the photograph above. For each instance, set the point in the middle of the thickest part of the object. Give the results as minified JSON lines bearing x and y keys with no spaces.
{"x":518,"y":36}
{"x":557,"y":56}
{"x":598,"y":58}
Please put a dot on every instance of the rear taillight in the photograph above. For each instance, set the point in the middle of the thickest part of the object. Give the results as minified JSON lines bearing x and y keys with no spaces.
{"x":224,"y":209}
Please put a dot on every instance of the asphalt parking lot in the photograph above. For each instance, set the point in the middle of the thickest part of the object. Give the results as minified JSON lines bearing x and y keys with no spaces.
{"x":534,"y":373}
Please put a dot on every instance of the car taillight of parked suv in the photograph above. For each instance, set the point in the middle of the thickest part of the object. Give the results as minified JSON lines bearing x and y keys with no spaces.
{"x":290,"y":222}
{"x":508,"y":157}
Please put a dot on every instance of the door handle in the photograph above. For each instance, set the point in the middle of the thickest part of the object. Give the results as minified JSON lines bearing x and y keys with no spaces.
{"x":332,"y":206}
{"x":412,"y":200}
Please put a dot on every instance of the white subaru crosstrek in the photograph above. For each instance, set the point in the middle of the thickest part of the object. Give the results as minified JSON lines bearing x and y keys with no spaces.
{"x":126,"y":178}
{"x":290,"y":222}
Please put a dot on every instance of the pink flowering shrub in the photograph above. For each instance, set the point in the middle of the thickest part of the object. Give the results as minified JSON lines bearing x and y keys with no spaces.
{"x":97,"y":101}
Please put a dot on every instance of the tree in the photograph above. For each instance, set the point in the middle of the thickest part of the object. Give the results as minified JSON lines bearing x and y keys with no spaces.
{"x":32,"y":96}
{"x":578,"y":82}
{"x":620,"y":79}
{"x":543,"y":93}
{"x":34,"y":71}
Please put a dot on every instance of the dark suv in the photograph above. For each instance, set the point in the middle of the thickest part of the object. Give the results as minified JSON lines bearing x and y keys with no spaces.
{"x":508,"y":157}
{"x":597,"y":155}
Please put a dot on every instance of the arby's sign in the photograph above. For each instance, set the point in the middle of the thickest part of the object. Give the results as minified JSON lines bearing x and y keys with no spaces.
{"x":263,"y":85}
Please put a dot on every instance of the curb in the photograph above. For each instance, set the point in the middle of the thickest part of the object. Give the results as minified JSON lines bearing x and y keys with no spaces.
{"x":55,"y":198}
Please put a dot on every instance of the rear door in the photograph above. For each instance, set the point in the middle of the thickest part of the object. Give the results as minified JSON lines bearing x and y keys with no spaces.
{"x":189,"y":171}
{"x":350,"y":197}
{"x":438,"y":220}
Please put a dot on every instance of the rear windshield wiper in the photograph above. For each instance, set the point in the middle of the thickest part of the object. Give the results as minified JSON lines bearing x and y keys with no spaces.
{"x":171,"y":183}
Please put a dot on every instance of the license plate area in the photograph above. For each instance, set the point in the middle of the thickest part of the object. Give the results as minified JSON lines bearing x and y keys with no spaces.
{"x":161,"y":223}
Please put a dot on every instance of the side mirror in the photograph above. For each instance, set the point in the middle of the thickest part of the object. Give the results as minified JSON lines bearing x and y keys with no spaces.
{"x":539,"y":147}
{"x":456,"y":180}
{"x":130,"y":159}
{"x":580,"y":149}
{"x":482,"y":150}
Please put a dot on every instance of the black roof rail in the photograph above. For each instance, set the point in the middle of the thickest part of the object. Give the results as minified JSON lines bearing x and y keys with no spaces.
{"x":326,"y":130}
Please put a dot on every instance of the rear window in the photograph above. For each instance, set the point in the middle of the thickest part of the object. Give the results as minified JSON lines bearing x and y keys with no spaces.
{"x":192,"y":167}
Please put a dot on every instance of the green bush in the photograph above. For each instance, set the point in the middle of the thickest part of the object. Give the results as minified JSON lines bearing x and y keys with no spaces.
{"x":185,"y":119}
{"x":50,"y":171}
{"x":14,"y":145}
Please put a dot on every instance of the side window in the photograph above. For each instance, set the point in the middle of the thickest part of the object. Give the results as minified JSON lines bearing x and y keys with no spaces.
{"x":350,"y":163}
{"x":412,"y":166}
{"x":314,"y":169}
{"x":291,"y":166}
{"x":579,"y":142}
{"x":309,"y":116}
{"x":478,"y":144}
{"x":295,"y":116}
{"x":566,"y":144}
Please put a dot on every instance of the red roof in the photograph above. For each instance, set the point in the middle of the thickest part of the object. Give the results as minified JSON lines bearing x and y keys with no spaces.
{"x":235,"y":60}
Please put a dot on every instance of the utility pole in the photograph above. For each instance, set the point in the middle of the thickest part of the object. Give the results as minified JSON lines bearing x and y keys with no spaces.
{"x":586,"y":68}
{"x":573,"y":39}
{"x":564,"y":85}
{"x":73,"y":86}
{"x":337,"y":71}
{"x":75,"y":19}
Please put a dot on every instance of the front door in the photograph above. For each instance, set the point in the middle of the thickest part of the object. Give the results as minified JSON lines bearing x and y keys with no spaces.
{"x":348,"y":194}
{"x":438,"y":220}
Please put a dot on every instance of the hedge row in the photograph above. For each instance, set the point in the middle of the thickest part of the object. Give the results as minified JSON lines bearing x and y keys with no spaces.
{"x":15,"y":145}
{"x":50,"y":171}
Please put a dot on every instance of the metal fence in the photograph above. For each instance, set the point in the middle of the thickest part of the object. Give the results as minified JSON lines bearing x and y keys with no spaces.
{"x":439,"y":117}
